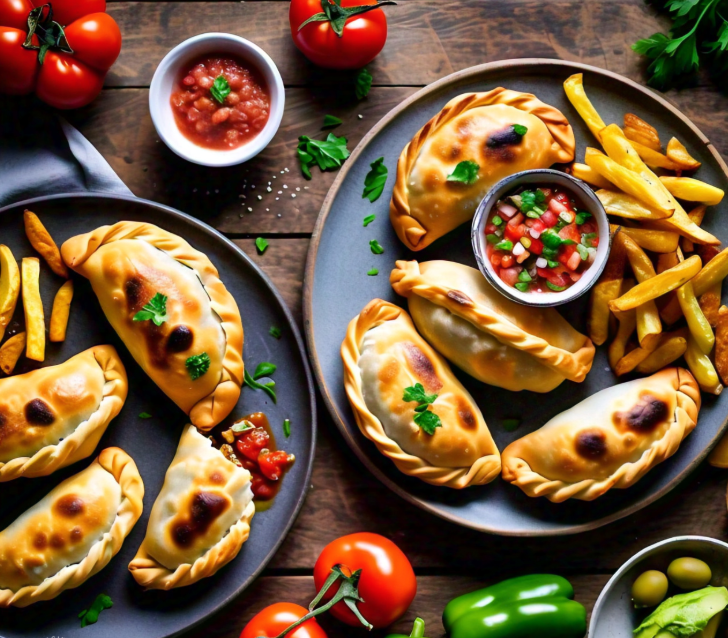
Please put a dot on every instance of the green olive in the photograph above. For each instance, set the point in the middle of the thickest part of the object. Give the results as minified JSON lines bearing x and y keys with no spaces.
{"x":650,"y":589}
{"x":689,"y":573}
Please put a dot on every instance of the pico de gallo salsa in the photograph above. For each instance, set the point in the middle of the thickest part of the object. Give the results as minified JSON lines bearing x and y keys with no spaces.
{"x":540,"y":239}
{"x":250,"y":443}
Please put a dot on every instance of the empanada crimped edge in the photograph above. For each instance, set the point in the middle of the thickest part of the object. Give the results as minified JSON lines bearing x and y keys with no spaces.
{"x":212,"y":409}
{"x":84,"y":439}
{"x":410,"y":231}
{"x":518,"y":472}
{"x":407,"y":280}
{"x":376,"y":312}
{"x":122,"y":467}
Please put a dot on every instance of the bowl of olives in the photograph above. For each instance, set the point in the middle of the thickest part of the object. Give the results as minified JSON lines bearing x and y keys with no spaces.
{"x":680,"y":583}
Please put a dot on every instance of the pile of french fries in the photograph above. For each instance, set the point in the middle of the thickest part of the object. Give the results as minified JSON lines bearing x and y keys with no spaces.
{"x":677,"y":267}
{"x":24,"y":282}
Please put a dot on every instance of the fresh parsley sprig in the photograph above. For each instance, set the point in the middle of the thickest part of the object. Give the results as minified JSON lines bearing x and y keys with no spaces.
{"x":465,"y":172}
{"x":427,"y":420}
{"x":156,"y":310}
{"x":375,"y":180}
{"x":327,"y":154}
{"x":197,"y":365}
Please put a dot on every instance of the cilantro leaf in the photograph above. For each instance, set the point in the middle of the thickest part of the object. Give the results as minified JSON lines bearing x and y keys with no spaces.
{"x":531,"y":199}
{"x":375,"y":180}
{"x":368,"y":220}
{"x":275,"y":332}
{"x":220,"y":89}
{"x":327,"y":154}
{"x":417,"y":393}
{"x":264,"y":369}
{"x":581,"y":217}
{"x":363,"y":84}
{"x":197,"y":365}
{"x":287,"y":428}
{"x":373,"y":272}
{"x":261,"y":244}
{"x":330,"y":121}
{"x":156,"y":310}
{"x":267,"y":388}
{"x":428,"y":421}
{"x":242,"y":426}
{"x":465,"y":172}
{"x":91,"y":615}
{"x":145,"y":415}
{"x":376,"y":247}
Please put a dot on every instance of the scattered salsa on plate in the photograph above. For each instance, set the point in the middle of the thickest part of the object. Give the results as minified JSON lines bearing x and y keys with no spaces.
{"x":541,"y":239}
{"x":219,"y":103}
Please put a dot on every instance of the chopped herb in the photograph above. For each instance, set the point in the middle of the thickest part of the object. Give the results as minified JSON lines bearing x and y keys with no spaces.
{"x":287,"y":428}
{"x":368,"y":220}
{"x":492,"y":238}
{"x":583,"y":252}
{"x":581,"y":217}
{"x":375,"y":180}
{"x":275,"y":331}
{"x":496,"y":221}
{"x":552,"y":264}
{"x":506,"y":245}
{"x":424,"y":418}
{"x":376,"y":247}
{"x":363,"y":84}
{"x":327,"y":154}
{"x":520,"y":285}
{"x":220,"y":89}
{"x":242,"y":426}
{"x":417,"y":393}
{"x":267,"y":387}
{"x":264,"y":369}
{"x":587,"y":239}
{"x":524,"y":276}
{"x":554,"y":287}
{"x":552,"y":239}
{"x":156,"y":310}
{"x":519,"y":129}
{"x":197,"y":365}
{"x":145,"y":415}
{"x":261,"y":243}
{"x":91,"y":615}
{"x":428,"y":421}
{"x":372,"y":272}
{"x":532,"y":199}
{"x":511,"y":424}
{"x":465,"y":172}
{"x":330,"y":121}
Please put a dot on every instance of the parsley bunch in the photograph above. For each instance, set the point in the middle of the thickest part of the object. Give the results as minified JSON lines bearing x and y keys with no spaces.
{"x":425,"y":418}
{"x":699,"y":33}
{"x":327,"y":154}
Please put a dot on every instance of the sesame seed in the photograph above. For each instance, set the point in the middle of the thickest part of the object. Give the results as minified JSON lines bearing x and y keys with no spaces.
{"x":285,"y":185}
{"x":267,"y":210}
{"x":297,"y":188}
{"x":260,"y":197}
{"x":282,"y":172}
{"x":250,"y":210}
{"x":279,"y":214}
{"x":280,"y":192}
{"x":277,"y":198}
{"x":360,"y":116}
{"x":269,"y":189}
{"x":293,"y":194}
{"x":253,"y":186}
{"x":305,"y":188}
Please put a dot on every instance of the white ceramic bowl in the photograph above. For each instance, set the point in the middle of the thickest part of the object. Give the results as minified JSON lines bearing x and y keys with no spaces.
{"x":592,"y":205}
{"x":168,"y":74}
{"x":614,"y":615}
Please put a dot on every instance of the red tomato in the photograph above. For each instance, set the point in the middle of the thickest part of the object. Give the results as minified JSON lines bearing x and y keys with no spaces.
{"x":514,"y":233}
{"x":507,"y":261}
{"x":66,"y":83}
{"x":510,"y":275}
{"x":272,"y":620}
{"x":363,"y":37}
{"x":564,"y":200}
{"x":19,"y":66}
{"x":96,"y":40}
{"x":536,"y":246}
{"x":387,"y":584}
{"x":251,"y":442}
{"x":570,"y":232}
{"x":549,"y":219}
{"x":273,"y":464}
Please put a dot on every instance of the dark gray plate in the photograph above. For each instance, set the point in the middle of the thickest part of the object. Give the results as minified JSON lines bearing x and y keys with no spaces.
{"x":152,"y":442}
{"x":337,"y":288}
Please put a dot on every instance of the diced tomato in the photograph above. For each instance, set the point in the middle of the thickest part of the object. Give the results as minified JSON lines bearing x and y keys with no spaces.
{"x":263,"y":488}
{"x":507,"y":261}
{"x":538,"y":225}
{"x":549,"y":219}
{"x":570,"y":232}
{"x":595,"y":242}
{"x":564,"y":200}
{"x":490,"y":229}
{"x":554,"y":275}
{"x":546,"y":192}
{"x":565,"y":254}
{"x":496,"y":257}
{"x":251,"y":442}
{"x":556,"y":207}
{"x":516,"y":220}
{"x":575,"y":276}
{"x":536,"y":246}
{"x":588,"y":227}
{"x":574,"y":261}
{"x":510,"y":275}
{"x":273,"y":464}
{"x":514,"y":233}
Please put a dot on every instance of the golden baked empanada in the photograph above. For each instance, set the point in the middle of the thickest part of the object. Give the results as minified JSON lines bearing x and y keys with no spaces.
{"x":192,"y":347}
{"x":72,"y":533}
{"x":200,"y":519}
{"x":385,"y":361}
{"x":493,"y":339}
{"x":483,"y":128}
{"x":609,"y":440}
{"x":55,"y":416}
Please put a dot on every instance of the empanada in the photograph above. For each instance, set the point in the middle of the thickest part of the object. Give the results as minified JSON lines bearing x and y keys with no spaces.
{"x":55,"y":416}
{"x":383,"y":356}
{"x":493,"y":339}
{"x":200,"y":519}
{"x":195,"y":355}
{"x":475,"y":127}
{"x":72,"y":533}
{"x":609,"y":440}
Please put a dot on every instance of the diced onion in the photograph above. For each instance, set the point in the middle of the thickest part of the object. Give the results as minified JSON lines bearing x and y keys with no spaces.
{"x":519,"y":249}
{"x":541,"y":263}
{"x":506,"y":209}
{"x":534,"y":233}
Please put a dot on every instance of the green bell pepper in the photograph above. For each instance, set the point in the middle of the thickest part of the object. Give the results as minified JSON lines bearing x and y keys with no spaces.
{"x":513,"y":589}
{"x":550,"y":617}
{"x":418,"y":631}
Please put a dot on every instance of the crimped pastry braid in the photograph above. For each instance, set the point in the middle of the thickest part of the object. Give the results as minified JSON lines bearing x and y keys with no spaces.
{"x":555,"y":144}
{"x":609,"y":440}
{"x":150,"y":574}
{"x":124,"y":471}
{"x":207,"y":408}
{"x":474,"y":434}
{"x":62,"y":380}
{"x":464,"y":292}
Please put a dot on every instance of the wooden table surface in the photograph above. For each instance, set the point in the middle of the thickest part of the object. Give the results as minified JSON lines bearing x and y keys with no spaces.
{"x":427,"y":40}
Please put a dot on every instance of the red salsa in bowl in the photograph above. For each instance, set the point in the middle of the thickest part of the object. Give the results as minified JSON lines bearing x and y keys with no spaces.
{"x":220,"y":103}
{"x":541,"y":239}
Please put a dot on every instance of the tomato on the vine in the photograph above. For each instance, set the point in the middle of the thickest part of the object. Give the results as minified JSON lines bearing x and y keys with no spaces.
{"x":273,"y":620}
{"x":339,"y":34}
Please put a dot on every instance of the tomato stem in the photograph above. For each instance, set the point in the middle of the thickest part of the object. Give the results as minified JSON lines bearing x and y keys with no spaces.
{"x":337,"y":15}
{"x":50,"y":34}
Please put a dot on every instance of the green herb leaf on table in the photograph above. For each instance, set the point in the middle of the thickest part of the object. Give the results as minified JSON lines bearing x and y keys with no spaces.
{"x":264,"y":369}
{"x":91,"y":615}
{"x":267,"y":388}
{"x":465,"y":172}
{"x":373,"y":272}
{"x":330,"y":121}
{"x":155,"y":310}
{"x":275,"y":332}
{"x":375,"y":180}
{"x":261,"y":243}
{"x":368,"y":220}
{"x":220,"y":89}
{"x":145,"y":415}
{"x":376,"y":247}
{"x":327,"y":154}
{"x":197,"y":365}
{"x":287,"y":428}
{"x":363,"y":84}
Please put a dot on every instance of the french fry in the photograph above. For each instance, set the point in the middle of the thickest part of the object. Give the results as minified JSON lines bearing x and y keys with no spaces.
{"x":653,"y":158}
{"x":697,"y":214}
{"x":590,"y":176}
{"x":719,"y":456}
{"x":42,"y":241}
{"x":629,"y":181}
{"x":697,"y":323}
{"x":61,"y":311}
{"x":605,"y":290}
{"x":721,"y":344}
{"x":658,"y":241}
{"x":710,"y":303}
{"x":10,"y":352}
{"x":677,"y":152}
{"x":642,"y":131}
{"x":658,"y":285}
{"x":633,"y":358}
{"x":712,"y":272}
{"x":702,"y":368}
{"x":693,"y":190}
{"x":649,"y":326}
{"x":666,"y":261}
{"x":9,"y":287}
{"x":666,"y":352}
{"x":33,"y":306}
{"x":623,"y":205}
{"x":574,"y":88}
{"x":627,"y":324}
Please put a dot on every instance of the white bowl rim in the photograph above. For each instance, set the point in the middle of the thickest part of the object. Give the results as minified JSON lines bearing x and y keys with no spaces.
{"x":542,"y":300}
{"x":215,"y":157}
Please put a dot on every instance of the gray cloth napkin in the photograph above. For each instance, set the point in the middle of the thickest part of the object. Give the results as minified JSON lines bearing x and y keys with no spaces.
{"x":42,"y":154}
